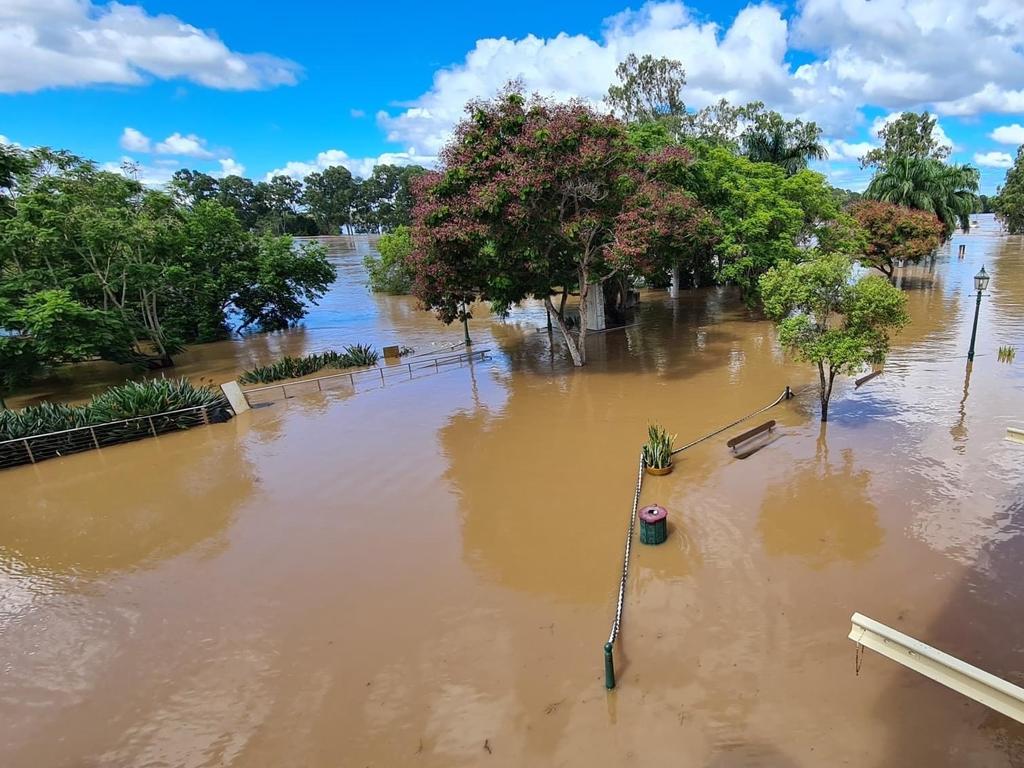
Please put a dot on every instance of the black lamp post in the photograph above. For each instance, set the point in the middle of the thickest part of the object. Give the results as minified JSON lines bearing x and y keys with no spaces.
{"x":980,"y":284}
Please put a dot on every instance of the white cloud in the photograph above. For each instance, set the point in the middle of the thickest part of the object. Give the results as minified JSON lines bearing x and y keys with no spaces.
{"x":74,"y":43}
{"x":190,"y":146}
{"x":838,"y":149}
{"x":357,"y":113}
{"x":1008,"y":134}
{"x":993,"y":159}
{"x":134,"y":141}
{"x":230,"y":167}
{"x":358,"y":166}
{"x":892,"y":54}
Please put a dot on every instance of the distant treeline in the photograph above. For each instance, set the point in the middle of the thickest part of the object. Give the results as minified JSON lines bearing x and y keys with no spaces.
{"x":327,"y":202}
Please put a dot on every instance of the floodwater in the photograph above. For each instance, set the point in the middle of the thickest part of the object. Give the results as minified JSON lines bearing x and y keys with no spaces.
{"x":425,"y":574}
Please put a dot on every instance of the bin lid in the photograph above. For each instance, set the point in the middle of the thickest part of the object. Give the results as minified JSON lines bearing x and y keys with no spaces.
{"x":653,"y":514}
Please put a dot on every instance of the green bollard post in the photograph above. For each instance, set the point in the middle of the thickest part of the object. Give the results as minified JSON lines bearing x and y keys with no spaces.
{"x":609,"y":667}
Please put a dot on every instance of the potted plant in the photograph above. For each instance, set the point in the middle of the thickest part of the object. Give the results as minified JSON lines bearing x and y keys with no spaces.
{"x":657,"y":451}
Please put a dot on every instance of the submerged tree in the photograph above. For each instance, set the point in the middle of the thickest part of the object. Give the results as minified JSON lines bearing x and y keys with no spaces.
{"x":828,"y":319}
{"x":896,"y":234}
{"x":390,"y":272}
{"x":948,"y":191}
{"x":536,"y":198}
{"x":96,"y":265}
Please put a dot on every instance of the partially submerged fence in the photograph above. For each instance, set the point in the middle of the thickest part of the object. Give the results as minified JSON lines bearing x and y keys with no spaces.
{"x":32,"y":449}
{"x":366,"y":378}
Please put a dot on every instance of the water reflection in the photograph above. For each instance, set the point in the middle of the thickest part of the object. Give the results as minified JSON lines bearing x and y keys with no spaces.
{"x":841,"y":526}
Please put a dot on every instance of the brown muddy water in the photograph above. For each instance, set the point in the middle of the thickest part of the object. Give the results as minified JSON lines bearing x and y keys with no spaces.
{"x":425,"y":574}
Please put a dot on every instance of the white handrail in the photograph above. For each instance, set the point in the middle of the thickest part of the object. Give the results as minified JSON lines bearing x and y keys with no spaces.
{"x":977,"y":684}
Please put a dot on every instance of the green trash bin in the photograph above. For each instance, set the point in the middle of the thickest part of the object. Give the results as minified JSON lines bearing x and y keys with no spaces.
{"x":653,"y":524}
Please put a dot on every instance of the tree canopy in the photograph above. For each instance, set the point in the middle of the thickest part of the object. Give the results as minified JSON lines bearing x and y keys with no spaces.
{"x":1009,"y":204}
{"x":537,"y":198}
{"x":948,"y":191}
{"x":909,"y":135}
{"x":322,"y":203}
{"x":828,"y":319}
{"x":896,"y":234}
{"x":96,"y":265}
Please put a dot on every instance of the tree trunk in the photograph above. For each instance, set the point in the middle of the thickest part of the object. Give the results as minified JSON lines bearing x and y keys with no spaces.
{"x":826,"y":388}
{"x":570,"y":342}
{"x":585,"y":298}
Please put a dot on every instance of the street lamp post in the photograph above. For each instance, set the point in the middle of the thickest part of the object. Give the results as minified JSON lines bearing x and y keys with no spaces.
{"x":465,"y":323}
{"x":980,"y":283}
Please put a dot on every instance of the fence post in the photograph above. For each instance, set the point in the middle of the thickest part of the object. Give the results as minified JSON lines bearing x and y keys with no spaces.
{"x":435,"y":366}
{"x":381,"y":375}
{"x":28,"y":449}
{"x":352,"y":381}
{"x":319,"y":385}
{"x":409,"y":366}
{"x":205,"y":413}
{"x":152,"y":427}
{"x":94,"y":440}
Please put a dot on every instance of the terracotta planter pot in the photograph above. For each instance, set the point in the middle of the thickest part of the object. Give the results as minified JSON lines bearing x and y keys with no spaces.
{"x":658,"y":470}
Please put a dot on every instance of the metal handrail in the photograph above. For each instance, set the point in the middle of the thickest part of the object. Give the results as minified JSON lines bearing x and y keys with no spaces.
{"x":433,"y":363}
{"x":104,"y":424}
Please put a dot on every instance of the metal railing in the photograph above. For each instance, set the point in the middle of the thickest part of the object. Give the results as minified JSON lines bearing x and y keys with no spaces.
{"x":373,"y":378}
{"x":32,"y":449}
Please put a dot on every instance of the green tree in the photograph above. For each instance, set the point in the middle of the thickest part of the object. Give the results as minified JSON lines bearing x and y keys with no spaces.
{"x":826,"y":318}
{"x":649,"y":89}
{"x":763,"y":216}
{"x":1009,"y":203}
{"x":789,"y":144}
{"x":189,"y":187}
{"x":896,"y":234}
{"x":328,"y":196}
{"x":245,"y":199}
{"x":95,"y":265}
{"x":536,"y":198}
{"x":948,"y":191}
{"x":909,"y":135}
{"x":391,"y":272}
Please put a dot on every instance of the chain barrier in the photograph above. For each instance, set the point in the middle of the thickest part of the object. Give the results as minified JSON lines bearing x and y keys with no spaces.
{"x":609,"y":664}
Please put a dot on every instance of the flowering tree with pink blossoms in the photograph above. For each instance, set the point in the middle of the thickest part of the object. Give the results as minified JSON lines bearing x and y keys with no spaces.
{"x":535,"y":198}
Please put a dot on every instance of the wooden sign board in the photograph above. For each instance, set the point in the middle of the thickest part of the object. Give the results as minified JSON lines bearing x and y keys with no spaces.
{"x":392,"y":353}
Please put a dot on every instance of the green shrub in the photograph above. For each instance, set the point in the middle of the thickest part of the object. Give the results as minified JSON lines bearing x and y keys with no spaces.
{"x":352,"y":356}
{"x":134,"y":398}
{"x":390,"y":272}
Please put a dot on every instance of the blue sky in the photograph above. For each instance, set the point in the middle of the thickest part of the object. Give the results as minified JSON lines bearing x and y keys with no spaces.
{"x":228,"y":85}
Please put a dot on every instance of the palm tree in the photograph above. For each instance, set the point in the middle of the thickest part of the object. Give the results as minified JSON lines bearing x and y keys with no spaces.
{"x":948,"y":191}
{"x":770,"y":139}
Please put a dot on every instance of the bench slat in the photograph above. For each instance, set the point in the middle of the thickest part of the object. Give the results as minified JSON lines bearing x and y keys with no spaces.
{"x":767,"y":426}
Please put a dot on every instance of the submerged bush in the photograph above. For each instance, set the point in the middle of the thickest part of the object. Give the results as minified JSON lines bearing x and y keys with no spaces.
{"x":297,"y":367}
{"x":391,"y":273}
{"x":134,"y":398}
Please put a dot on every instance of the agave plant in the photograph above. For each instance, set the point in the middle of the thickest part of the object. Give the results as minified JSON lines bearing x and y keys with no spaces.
{"x":1007,"y":354}
{"x":127,"y":401}
{"x":657,"y":451}
{"x":296,"y":367}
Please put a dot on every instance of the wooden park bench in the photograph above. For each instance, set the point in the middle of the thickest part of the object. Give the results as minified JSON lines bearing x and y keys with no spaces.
{"x":768,"y":426}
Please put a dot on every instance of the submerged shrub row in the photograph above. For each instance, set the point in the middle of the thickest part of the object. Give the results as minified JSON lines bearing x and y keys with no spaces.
{"x":295,"y":367}
{"x":129,"y":400}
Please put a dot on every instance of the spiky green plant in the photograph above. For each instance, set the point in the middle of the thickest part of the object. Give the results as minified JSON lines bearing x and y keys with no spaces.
{"x":126,"y":401}
{"x":296,"y":367}
{"x":657,"y":451}
{"x":1007,"y":354}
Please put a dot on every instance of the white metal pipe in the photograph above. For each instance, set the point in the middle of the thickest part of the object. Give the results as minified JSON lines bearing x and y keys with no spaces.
{"x":962,"y":677}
